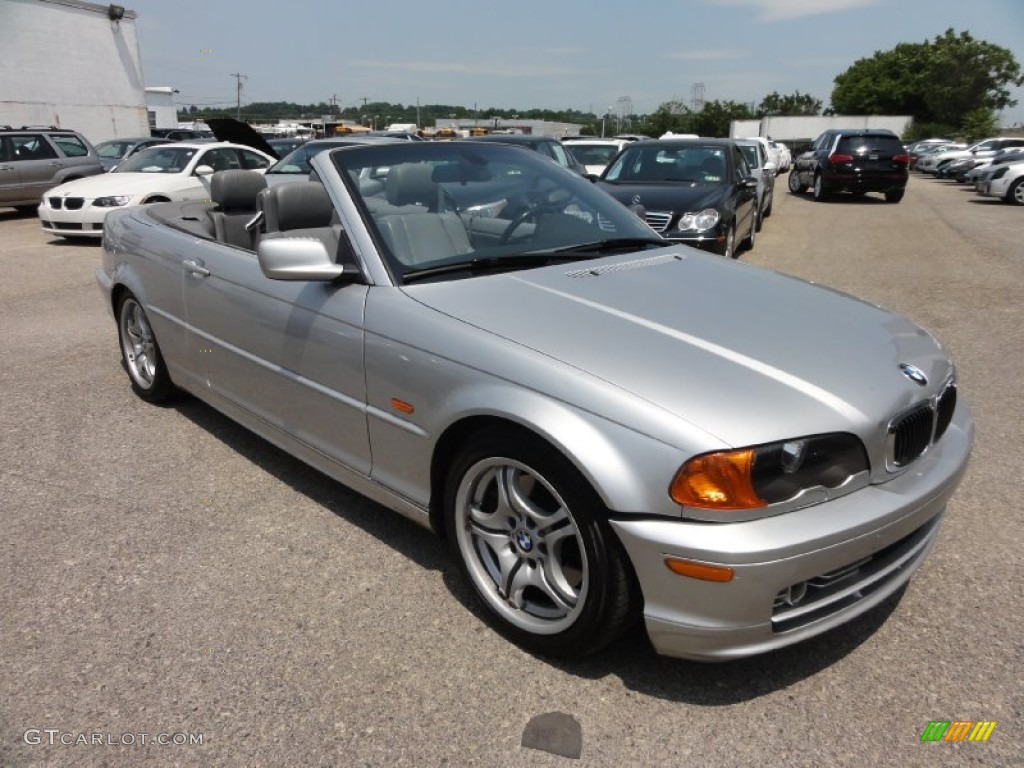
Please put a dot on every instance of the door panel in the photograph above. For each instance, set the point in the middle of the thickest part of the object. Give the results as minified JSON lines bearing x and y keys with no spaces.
{"x":290,"y":353}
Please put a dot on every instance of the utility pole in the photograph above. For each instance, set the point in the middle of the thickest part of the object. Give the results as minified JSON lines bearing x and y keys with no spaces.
{"x":238,"y":90}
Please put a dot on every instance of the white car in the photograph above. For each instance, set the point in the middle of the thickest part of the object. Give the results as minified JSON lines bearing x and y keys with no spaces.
{"x":595,"y":154}
{"x":169,"y":172}
{"x":770,"y":151}
{"x":785,"y":157}
{"x":1006,"y":181}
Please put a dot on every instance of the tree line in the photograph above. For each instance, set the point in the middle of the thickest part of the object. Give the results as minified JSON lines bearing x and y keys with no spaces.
{"x":953,"y":86}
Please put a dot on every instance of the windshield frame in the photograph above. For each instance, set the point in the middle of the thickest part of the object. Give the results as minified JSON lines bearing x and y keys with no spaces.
{"x":489,"y":187}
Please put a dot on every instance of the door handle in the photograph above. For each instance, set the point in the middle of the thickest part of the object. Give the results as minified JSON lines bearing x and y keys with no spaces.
{"x":57,"y":164}
{"x":195,"y":268}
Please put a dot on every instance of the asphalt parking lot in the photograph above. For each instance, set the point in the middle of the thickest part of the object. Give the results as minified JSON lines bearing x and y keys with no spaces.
{"x":163,"y":572}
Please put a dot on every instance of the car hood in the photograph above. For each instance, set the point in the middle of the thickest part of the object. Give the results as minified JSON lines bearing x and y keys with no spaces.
{"x":745,"y":354}
{"x":106,"y":184}
{"x":670,"y":196}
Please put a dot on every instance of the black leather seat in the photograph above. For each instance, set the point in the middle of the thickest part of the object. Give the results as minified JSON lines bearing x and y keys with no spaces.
{"x":235,"y":193}
{"x":299,"y":209}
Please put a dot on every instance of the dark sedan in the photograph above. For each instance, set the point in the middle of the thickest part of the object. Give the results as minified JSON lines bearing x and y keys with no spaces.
{"x":696,"y":191}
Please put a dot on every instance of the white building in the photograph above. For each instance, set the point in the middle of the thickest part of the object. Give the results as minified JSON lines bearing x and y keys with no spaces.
{"x":160,"y":106}
{"x":71,"y":64}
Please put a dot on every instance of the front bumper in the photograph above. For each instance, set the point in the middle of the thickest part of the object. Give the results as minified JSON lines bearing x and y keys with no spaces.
{"x":86,"y":221}
{"x":706,"y":242}
{"x":797,"y":574}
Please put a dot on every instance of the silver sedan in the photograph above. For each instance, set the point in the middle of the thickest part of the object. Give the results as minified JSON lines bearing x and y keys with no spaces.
{"x":605,"y":427}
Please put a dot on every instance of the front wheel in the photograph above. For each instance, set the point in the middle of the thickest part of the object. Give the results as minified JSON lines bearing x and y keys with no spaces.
{"x":1015,"y":194}
{"x":530,"y":536}
{"x":795,"y":185}
{"x":755,"y":226}
{"x":730,"y":241}
{"x":141,"y":354}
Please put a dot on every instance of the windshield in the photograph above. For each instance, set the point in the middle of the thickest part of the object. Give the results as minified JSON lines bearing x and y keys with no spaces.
{"x":750,"y":152}
{"x":158,"y":160}
{"x":593,"y":154}
{"x":657,"y":162}
{"x":438,"y":209}
{"x":113,"y":149}
{"x":297,"y":161}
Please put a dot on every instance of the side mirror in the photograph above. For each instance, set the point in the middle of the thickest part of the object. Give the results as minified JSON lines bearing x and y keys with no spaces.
{"x":204,"y":170}
{"x":750,"y":182}
{"x":769,"y":167}
{"x":301,"y":258}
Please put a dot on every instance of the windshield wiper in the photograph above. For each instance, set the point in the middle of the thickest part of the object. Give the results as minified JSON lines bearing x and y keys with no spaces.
{"x":610,"y":245}
{"x":489,"y":263}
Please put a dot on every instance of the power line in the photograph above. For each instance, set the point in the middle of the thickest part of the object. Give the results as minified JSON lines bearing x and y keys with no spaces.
{"x":238,"y":92}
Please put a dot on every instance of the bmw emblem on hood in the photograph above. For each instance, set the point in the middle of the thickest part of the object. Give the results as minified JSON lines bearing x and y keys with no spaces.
{"x":914,"y":373}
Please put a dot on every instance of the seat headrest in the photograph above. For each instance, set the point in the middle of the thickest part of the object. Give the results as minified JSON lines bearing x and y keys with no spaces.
{"x":298,"y":205}
{"x":236,"y":190}
{"x":411,"y":184}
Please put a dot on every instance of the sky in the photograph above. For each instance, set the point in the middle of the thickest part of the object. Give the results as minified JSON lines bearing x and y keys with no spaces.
{"x":524,"y":54}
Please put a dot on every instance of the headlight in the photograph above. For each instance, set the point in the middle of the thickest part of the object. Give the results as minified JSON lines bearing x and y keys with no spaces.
{"x":706,"y":219}
{"x":757,"y":477}
{"x":113,"y":201}
{"x":1001,"y":172}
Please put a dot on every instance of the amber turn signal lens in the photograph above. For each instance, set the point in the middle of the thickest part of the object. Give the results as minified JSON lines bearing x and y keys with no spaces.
{"x":402,"y":406}
{"x":717,"y":481}
{"x":700,"y":571}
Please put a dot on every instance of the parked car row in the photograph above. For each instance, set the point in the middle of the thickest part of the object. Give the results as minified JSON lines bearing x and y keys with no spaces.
{"x":711,"y":193}
{"x":999,"y":175}
{"x":949,"y":161}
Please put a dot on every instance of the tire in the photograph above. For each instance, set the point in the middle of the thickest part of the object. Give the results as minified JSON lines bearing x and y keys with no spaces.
{"x":819,"y":188}
{"x":758,"y":219}
{"x":1015,"y":194}
{"x":730,"y":241}
{"x":795,"y":185}
{"x":748,"y":241}
{"x":894,"y":195}
{"x":768,"y":211}
{"x":140,"y":353}
{"x":529,"y":535}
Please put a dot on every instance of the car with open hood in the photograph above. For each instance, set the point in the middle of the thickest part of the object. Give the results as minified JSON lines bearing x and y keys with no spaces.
{"x":701,"y":192}
{"x":605,"y":425}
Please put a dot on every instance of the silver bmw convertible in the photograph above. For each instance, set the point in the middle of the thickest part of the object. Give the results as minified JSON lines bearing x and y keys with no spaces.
{"x":603,"y":425}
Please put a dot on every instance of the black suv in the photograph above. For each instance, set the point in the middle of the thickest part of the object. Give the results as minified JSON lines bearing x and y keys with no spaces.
{"x":35,"y":159}
{"x":857,"y":161}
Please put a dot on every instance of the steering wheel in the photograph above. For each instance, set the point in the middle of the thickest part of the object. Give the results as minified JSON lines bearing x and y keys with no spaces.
{"x":551,"y":202}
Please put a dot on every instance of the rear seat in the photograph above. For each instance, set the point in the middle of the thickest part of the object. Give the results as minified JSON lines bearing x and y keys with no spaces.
{"x":234,"y":192}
